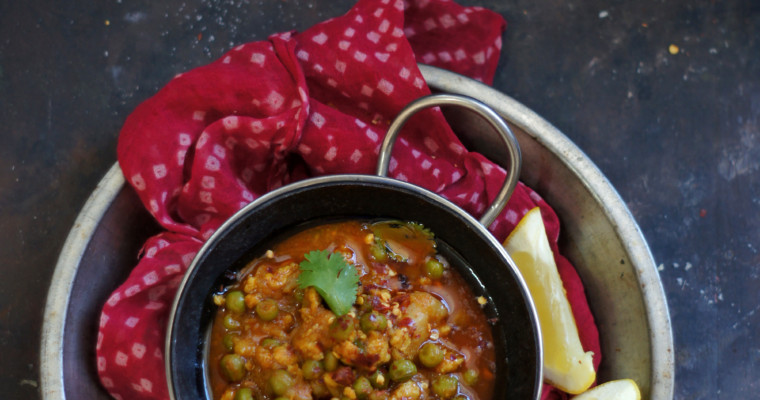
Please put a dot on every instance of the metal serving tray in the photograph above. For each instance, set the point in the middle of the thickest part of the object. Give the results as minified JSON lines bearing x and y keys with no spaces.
{"x":599,"y":235}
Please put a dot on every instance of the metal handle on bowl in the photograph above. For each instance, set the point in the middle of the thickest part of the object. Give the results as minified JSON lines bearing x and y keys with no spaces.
{"x":515,"y":158}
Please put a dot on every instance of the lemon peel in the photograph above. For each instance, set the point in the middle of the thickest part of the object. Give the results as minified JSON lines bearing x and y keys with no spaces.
{"x":620,"y":389}
{"x":566,"y":365}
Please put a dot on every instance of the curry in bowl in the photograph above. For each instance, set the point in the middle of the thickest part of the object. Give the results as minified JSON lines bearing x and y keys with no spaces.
{"x":351,"y":310}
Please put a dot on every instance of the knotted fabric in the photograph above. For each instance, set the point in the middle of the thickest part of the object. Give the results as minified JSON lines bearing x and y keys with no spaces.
{"x":294,"y":106}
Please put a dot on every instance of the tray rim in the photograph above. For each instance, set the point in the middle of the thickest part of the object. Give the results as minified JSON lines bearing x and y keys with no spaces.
{"x":658,"y":317}
{"x":59,"y":292}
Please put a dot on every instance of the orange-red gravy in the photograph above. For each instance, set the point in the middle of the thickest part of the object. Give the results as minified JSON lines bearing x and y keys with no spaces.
{"x":418,"y":305}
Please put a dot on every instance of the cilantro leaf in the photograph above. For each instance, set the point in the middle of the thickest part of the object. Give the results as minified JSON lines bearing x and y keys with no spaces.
{"x":334,"y":279}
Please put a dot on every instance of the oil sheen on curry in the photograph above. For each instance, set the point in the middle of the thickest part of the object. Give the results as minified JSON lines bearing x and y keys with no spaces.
{"x":351,"y":310}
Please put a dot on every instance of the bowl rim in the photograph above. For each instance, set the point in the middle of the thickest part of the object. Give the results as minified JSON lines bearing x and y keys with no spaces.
{"x":52,"y":385}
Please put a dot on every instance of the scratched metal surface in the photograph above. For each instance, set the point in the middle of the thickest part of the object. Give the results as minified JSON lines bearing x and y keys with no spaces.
{"x":676,"y":129}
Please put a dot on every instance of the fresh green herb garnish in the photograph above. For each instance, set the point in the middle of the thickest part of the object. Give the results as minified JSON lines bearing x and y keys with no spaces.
{"x":422,"y":229}
{"x":334,"y":279}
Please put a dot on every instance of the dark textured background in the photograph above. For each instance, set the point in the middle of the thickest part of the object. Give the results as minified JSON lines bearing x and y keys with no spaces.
{"x":677,"y":134}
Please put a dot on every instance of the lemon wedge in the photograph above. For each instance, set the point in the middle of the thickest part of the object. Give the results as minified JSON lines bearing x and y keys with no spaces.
{"x":566,"y":365}
{"x":621,"y":389}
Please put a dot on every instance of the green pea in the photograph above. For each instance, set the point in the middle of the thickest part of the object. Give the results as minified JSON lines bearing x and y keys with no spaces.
{"x":270,"y":343}
{"x":470,"y":376}
{"x":228,"y":341}
{"x":235,"y":301}
{"x":362,"y":387}
{"x":243,"y":394}
{"x":373,"y":321}
{"x":330,"y":362}
{"x":233,"y":367}
{"x":298,"y":294}
{"x":280,"y":382}
{"x":434,"y":268}
{"x":267,"y":310}
{"x":230,"y":322}
{"x":431,"y":355}
{"x":461,"y":397}
{"x":319,"y":389}
{"x":378,"y":380}
{"x":343,"y":327}
{"x":378,"y":251}
{"x":445,"y":386}
{"x":312,"y":369}
{"x":402,"y":370}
